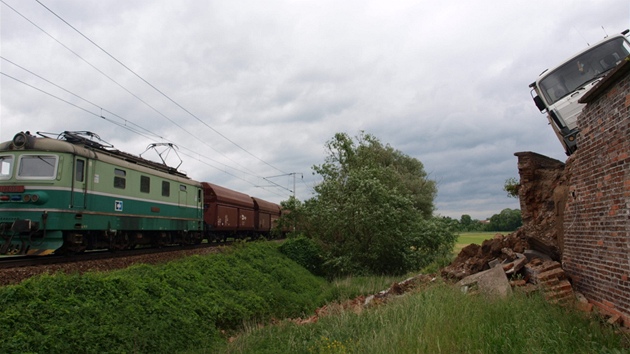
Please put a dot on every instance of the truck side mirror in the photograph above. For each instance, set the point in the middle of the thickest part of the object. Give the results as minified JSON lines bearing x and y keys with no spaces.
{"x":539,"y":103}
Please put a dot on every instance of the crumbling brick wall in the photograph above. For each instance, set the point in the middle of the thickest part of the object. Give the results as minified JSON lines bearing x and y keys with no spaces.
{"x":542,"y":195}
{"x":597,"y":212}
{"x":579,"y":211}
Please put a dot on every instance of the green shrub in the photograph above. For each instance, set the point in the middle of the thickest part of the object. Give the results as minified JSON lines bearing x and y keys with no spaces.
{"x":372,"y":211}
{"x":305,"y":251}
{"x":165,"y":308}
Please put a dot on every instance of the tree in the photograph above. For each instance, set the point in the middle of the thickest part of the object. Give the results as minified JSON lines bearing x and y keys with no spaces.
{"x":292,"y":219}
{"x":451,"y":223}
{"x":465,"y":221}
{"x":506,"y":220}
{"x":372,"y":211}
{"x":467,"y":224}
{"x":511,"y":186}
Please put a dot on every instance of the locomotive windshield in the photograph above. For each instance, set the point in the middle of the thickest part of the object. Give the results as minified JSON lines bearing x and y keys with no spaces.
{"x":582,"y":69}
{"x":6,"y":164}
{"x":37,"y":166}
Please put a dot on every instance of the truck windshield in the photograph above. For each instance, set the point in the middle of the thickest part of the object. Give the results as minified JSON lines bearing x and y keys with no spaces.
{"x":38,"y":166}
{"x":583,"y":69}
{"x":6,"y":166}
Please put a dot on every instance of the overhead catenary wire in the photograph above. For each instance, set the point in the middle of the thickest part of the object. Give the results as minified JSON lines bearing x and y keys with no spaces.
{"x":235,"y":176}
{"x":158,"y":90}
{"x":139,"y":130}
{"x":124,"y":88}
{"x":79,"y":97}
{"x":145,"y":136}
{"x":74,"y":105}
{"x":113,"y":122}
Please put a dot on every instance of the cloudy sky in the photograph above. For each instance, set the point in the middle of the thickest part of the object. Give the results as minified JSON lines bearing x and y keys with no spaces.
{"x":252,"y":90}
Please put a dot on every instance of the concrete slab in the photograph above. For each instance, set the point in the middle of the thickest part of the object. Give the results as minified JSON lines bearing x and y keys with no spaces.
{"x":492,"y":282}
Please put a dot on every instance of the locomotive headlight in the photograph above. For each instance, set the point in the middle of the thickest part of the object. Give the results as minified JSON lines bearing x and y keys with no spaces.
{"x":19,"y":140}
{"x":23,"y":140}
{"x":37,"y":197}
{"x":30,"y":198}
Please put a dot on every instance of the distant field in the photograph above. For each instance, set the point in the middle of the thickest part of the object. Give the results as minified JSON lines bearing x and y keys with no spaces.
{"x":466,"y":238}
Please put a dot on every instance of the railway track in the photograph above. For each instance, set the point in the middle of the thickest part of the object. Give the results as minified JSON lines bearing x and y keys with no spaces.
{"x":8,"y":262}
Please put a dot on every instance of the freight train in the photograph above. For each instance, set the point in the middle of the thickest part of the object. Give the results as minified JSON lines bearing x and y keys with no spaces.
{"x":73,"y":193}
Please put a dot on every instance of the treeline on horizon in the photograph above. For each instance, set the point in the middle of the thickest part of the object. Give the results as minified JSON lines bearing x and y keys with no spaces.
{"x":507,"y":220}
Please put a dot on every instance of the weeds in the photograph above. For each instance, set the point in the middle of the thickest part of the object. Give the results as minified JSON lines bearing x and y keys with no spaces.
{"x":194,"y":305}
{"x":440,"y":319}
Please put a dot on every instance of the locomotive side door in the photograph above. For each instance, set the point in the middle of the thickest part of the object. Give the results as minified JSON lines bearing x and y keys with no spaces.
{"x":79,"y":178}
{"x":183,"y":195}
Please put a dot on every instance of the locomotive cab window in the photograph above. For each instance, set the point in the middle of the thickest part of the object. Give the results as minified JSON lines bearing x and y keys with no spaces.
{"x":182,"y":187}
{"x":6,"y":166}
{"x":145,"y":184}
{"x":166,"y":189}
{"x":120,"y":180}
{"x":37,"y":167}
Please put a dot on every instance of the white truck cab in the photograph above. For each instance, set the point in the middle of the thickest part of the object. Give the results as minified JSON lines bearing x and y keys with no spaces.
{"x":557,"y":91}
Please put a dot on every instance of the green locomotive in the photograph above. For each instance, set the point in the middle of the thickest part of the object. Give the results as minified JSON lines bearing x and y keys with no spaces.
{"x":73,"y":194}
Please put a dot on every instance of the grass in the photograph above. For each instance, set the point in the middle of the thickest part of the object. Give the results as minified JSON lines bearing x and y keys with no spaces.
{"x":182,"y":305}
{"x":166,"y":308}
{"x":466,"y":238}
{"x":439,"y":319}
{"x":195,"y":304}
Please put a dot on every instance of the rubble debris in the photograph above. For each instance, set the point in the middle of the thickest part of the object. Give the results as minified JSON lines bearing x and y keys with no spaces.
{"x":492,"y":282}
{"x":542,"y":275}
{"x":580,"y":297}
{"x":361,"y":302}
{"x":542,"y":194}
{"x":516,"y":265}
{"x":585,"y":307}
{"x":539,"y":275}
{"x":399,"y":289}
{"x":531,"y":254}
{"x":475,"y":258}
{"x":615,"y":319}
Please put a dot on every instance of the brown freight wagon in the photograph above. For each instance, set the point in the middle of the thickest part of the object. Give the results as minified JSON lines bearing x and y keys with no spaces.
{"x":267,"y":214}
{"x":227,"y":213}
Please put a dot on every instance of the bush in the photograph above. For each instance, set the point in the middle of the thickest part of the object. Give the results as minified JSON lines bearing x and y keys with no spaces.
{"x":372,"y":210}
{"x":506,"y":220}
{"x":305,"y":252}
{"x":155,"y":309}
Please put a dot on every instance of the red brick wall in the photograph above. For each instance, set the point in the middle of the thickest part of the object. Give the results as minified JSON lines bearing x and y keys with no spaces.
{"x":597,"y":215}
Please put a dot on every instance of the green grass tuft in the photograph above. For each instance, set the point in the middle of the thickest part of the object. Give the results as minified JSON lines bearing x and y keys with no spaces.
{"x":440,"y":319}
